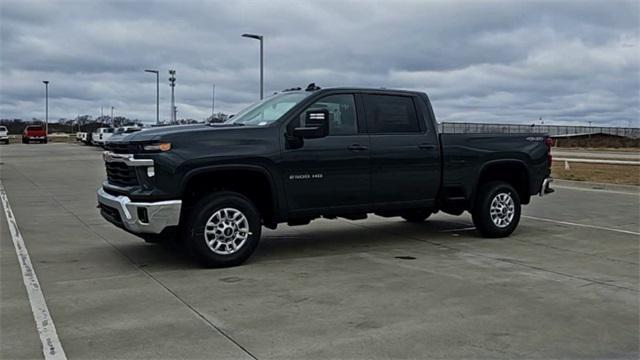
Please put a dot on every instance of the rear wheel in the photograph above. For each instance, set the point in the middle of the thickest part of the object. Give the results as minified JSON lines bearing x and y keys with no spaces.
{"x":416,"y":216}
{"x":497,"y":209}
{"x":224,"y":229}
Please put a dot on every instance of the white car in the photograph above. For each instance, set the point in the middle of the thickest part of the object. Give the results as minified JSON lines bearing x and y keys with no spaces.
{"x":4,"y":135}
{"x":101,"y":135}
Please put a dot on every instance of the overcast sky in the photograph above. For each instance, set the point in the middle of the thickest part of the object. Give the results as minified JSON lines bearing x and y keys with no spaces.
{"x":503,"y":61}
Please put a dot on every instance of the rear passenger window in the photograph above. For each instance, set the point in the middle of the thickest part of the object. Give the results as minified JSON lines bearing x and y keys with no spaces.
{"x":391,"y":114}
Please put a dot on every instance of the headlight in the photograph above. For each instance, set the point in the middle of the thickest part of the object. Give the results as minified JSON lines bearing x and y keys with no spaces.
{"x":165,"y":146}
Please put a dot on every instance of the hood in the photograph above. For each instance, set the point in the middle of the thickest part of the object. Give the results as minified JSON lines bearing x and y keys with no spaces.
{"x":169,"y":132}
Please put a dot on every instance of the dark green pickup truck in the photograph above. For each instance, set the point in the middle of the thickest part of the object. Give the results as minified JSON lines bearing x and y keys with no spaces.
{"x":299,"y":155}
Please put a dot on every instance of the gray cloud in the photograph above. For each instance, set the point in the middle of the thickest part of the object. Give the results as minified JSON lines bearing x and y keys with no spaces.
{"x":569,"y":62}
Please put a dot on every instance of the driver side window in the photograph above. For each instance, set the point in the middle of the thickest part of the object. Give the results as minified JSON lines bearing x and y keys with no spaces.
{"x":342,"y":114}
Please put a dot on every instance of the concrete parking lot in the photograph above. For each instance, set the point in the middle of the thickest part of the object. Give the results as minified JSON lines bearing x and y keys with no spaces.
{"x":564,"y":285}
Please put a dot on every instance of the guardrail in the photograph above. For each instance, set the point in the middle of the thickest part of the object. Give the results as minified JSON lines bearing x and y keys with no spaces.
{"x":599,"y":161}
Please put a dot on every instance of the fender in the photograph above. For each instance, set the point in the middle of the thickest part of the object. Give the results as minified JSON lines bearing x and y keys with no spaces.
{"x":227,"y":167}
{"x":484,"y":166}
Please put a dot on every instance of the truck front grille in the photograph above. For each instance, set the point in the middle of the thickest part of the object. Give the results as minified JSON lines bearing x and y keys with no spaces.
{"x":120,"y":174}
{"x":118,"y":148}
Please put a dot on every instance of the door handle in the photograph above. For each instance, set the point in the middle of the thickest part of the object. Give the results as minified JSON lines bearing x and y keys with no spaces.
{"x":356,"y":147}
{"x":426,"y":147}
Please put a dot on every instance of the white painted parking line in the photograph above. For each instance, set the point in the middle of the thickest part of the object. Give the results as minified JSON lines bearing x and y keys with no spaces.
{"x":582,"y":225}
{"x":51,"y":346}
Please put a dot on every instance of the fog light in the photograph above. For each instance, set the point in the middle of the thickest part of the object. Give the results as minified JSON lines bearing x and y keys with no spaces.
{"x":143,"y":216}
{"x":151,"y":171}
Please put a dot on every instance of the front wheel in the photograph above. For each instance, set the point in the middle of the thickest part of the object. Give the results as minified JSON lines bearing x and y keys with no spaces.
{"x":497,"y":209}
{"x":224,"y":229}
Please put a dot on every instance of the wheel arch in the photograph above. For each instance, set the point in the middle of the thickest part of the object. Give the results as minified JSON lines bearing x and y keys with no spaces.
{"x":253,"y":181}
{"x":512,"y":171}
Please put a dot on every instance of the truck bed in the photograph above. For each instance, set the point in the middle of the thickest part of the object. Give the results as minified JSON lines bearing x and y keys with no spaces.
{"x":465,"y":155}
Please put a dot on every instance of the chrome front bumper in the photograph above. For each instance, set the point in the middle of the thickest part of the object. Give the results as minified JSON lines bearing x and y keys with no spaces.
{"x":159,"y":215}
{"x":546,"y":189}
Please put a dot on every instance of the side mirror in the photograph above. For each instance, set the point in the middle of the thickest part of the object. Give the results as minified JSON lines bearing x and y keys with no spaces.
{"x":316,"y":125}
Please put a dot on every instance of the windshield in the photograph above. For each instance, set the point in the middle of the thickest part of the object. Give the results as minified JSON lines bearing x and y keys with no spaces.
{"x":268,"y":110}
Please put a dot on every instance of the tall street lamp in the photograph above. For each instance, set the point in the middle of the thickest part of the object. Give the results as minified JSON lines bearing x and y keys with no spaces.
{"x":261,"y":39}
{"x":46,"y":107}
{"x":172,"y":84}
{"x":157,"y":94}
{"x":213,"y":101}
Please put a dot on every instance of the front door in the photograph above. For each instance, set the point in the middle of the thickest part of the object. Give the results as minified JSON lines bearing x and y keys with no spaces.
{"x":331,"y":172}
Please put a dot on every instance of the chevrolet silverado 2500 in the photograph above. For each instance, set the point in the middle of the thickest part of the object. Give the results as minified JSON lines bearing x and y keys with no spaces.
{"x":300,"y":155}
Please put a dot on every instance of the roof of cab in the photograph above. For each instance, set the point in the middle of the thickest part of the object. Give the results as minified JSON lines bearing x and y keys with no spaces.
{"x":352,"y":89}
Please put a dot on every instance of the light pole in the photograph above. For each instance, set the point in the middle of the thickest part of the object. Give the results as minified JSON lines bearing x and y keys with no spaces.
{"x":261,"y":39}
{"x":213,"y":101}
{"x":172,"y":84}
{"x":112,"y":123}
{"x":46,"y":107}
{"x":157,"y":94}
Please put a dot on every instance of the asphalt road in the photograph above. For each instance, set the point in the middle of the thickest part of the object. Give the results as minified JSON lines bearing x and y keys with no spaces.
{"x":564,"y":285}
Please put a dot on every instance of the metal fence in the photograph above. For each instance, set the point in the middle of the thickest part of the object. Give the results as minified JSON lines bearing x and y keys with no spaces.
{"x":553,"y":130}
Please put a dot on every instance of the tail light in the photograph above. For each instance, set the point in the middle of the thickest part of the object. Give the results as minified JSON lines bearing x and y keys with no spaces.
{"x":549,"y":142}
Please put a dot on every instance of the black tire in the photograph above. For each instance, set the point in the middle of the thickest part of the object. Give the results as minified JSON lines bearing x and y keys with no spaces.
{"x":45,"y":141}
{"x":416,"y":216}
{"x":481,"y":213}
{"x":203,"y":211}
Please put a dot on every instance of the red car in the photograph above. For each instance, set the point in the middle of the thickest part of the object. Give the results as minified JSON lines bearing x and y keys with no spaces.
{"x":34,"y":133}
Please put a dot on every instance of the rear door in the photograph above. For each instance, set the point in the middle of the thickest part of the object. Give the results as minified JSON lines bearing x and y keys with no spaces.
{"x":405,"y":156}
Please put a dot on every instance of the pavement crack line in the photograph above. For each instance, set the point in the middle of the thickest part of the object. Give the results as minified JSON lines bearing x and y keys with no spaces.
{"x":135,"y":265}
{"x":51,"y":345}
{"x":166,"y":288}
{"x":508,"y":261}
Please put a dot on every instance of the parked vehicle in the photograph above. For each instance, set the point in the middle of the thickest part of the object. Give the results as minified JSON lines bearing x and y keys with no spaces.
{"x":81,"y":136}
{"x":123,"y":131}
{"x":4,"y":135}
{"x":101,"y":135}
{"x":300,"y":155}
{"x":34,"y":133}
